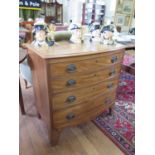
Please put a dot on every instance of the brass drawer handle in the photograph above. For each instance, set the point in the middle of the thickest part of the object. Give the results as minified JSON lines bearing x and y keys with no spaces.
{"x":71,"y":82}
{"x":112,"y":72}
{"x":110,"y":85}
{"x":70,"y":116}
{"x":71,"y":99}
{"x":71,"y":68}
{"x":114,"y":59}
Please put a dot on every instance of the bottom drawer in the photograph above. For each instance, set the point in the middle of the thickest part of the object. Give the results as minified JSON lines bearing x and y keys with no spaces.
{"x":83,"y":112}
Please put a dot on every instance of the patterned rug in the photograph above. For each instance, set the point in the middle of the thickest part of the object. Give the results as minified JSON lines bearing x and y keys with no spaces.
{"x":120,"y":127}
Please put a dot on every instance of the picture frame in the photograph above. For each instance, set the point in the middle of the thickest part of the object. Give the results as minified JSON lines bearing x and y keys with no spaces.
{"x":124,"y":13}
{"x":120,"y":20}
{"x":127,"y":20}
{"x":127,"y":7}
{"x":119,"y":6}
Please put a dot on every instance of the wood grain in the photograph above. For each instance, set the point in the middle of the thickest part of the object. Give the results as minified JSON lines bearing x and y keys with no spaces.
{"x":40,"y":86}
{"x":61,"y":85}
{"x":87,"y":65}
{"x":95,"y":83}
{"x":60,"y":100}
{"x":65,"y":49}
{"x":84,"y":140}
{"x":83,"y":112}
{"x":38,"y":68}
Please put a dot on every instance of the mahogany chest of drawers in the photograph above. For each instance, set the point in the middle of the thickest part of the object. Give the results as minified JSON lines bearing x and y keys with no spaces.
{"x":74,"y":83}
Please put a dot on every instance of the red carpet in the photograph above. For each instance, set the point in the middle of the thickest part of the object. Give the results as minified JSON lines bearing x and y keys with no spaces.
{"x":120,"y":127}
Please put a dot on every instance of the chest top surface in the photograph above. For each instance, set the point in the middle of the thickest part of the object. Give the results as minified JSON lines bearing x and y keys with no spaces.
{"x":66,"y":49}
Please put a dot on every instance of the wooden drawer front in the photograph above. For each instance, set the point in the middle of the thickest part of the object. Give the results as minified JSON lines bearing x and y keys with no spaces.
{"x":80,"y":113}
{"x":76,"y":67}
{"x":69,"y":83}
{"x":72,"y":98}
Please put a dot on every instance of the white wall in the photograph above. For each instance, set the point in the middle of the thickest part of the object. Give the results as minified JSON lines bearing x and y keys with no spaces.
{"x":65,"y":11}
{"x":110,"y":10}
{"x":72,"y":9}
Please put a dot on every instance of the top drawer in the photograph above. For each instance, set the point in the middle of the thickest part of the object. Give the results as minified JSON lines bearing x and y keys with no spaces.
{"x":78,"y":65}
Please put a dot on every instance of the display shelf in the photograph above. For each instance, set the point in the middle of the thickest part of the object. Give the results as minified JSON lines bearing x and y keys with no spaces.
{"x":53,"y":11}
{"x":93,"y":12}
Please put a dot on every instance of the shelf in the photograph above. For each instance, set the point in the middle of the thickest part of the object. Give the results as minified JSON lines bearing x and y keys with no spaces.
{"x":93,"y":12}
{"x":52,"y":11}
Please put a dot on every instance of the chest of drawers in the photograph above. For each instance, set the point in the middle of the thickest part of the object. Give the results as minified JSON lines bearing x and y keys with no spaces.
{"x":74,"y":83}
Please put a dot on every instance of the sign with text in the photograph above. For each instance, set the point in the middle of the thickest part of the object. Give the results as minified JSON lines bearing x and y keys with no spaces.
{"x":30,"y":4}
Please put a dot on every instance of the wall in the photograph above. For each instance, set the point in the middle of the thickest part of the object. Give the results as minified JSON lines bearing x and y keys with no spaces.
{"x":110,"y":10}
{"x":72,"y":9}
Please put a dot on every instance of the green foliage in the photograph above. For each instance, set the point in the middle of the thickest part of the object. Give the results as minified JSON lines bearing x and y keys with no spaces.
{"x":26,"y":14}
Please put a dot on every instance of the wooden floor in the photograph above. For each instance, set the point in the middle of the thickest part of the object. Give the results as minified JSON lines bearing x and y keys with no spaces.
{"x":83,"y":140}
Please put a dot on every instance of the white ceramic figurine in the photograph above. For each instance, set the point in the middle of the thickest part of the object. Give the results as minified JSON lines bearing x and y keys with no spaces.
{"x":41,"y":39}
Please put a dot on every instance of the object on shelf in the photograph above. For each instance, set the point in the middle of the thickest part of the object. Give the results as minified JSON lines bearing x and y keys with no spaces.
{"x":110,"y":27}
{"x":62,"y":35}
{"x":125,"y":39}
{"x":132,"y":31}
{"x":30,"y":20}
{"x":41,"y":39}
{"x":76,"y":31}
{"x":74,"y":26}
{"x":93,"y":12}
{"x":76,"y":36}
{"x":52,"y":11}
{"x":51,"y":30}
{"x":107,"y":38}
{"x":94,"y":29}
{"x":94,"y":26}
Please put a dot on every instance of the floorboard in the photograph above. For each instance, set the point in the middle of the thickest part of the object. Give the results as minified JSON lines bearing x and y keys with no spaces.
{"x":82,"y":140}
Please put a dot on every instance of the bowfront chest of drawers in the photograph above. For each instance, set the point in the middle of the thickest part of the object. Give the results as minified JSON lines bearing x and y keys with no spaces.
{"x":74,"y":83}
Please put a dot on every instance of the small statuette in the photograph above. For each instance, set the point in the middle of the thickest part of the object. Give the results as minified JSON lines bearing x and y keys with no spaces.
{"x":42,"y":39}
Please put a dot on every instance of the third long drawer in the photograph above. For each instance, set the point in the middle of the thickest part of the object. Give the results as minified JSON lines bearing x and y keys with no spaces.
{"x":71,"y":98}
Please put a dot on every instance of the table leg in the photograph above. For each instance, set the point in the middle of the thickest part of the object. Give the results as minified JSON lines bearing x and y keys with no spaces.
{"x":110,"y":112}
{"x":21,"y":100}
{"x":54,"y":137}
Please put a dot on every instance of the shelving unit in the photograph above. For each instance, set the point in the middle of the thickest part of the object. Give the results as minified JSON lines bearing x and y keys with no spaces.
{"x":93,"y":12}
{"x":52,"y":11}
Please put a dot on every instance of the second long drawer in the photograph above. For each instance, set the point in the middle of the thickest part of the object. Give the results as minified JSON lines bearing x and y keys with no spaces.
{"x":69,"y":83}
